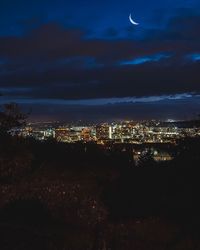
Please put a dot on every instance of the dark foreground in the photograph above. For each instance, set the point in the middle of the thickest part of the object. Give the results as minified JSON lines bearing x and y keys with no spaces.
{"x":82,"y":196}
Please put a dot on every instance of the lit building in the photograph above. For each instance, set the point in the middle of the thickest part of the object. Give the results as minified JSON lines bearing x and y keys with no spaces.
{"x":62,"y":134}
{"x":103,"y":132}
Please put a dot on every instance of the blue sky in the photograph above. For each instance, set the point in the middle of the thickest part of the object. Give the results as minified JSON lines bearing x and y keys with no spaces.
{"x":56,"y":54}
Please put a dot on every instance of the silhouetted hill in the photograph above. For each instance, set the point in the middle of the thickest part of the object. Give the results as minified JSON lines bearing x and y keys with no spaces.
{"x":181,"y":124}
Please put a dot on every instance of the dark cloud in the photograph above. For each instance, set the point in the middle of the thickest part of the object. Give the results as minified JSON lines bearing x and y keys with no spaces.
{"x":181,"y":26}
{"x":176,"y":109}
{"x":62,"y":63}
{"x":155,"y":78}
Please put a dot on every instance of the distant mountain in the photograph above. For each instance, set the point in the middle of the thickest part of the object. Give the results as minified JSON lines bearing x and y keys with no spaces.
{"x":181,"y":124}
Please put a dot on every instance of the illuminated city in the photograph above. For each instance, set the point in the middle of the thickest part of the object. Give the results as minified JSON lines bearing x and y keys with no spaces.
{"x":119,"y":132}
{"x":159,"y":138}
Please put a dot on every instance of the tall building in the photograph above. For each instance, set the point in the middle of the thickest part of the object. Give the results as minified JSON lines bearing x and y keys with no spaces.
{"x":103,"y":132}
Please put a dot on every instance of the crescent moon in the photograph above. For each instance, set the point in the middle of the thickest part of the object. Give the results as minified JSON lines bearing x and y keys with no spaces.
{"x":132,"y":21}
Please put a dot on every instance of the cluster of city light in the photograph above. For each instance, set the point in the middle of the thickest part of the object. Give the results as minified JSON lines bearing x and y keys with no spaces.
{"x":119,"y":132}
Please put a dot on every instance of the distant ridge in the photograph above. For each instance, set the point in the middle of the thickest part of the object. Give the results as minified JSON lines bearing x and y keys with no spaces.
{"x":181,"y":124}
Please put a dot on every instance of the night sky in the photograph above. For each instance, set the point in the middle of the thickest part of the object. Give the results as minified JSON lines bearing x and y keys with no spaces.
{"x":84,"y":60}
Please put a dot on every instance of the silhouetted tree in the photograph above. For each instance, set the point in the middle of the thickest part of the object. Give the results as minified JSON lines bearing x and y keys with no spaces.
{"x":15,"y":158}
{"x":10,"y":117}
